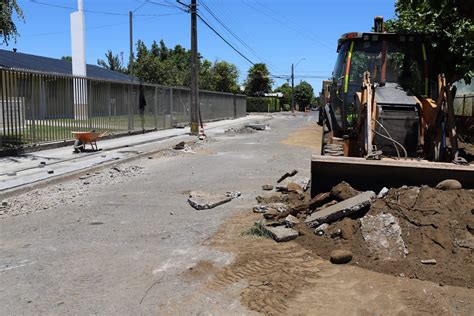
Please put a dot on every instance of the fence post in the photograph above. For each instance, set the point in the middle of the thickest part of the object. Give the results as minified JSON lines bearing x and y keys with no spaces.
{"x":156,"y":108}
{"x":130,"y":127}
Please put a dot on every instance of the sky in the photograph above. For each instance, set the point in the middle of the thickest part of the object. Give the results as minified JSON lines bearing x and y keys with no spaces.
{"x":276,"y":32}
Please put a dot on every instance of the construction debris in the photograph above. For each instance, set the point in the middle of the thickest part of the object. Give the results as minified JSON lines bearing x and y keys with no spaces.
{"x":179,"y":146}
{"x":267,"y":187}
{"x":339,"y":210}
{"x":395,"y":232}
{"x":287,"y":175}
{"x":203,"y":200}
{"x":343,"y":191}
{"x":259,"y":127}
{"x":282,"y":233}
{"x":383,"y":236}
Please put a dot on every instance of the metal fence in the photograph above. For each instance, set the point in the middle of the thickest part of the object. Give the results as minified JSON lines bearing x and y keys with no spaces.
{"x":40,"y":107}
{"x":464,"y":105}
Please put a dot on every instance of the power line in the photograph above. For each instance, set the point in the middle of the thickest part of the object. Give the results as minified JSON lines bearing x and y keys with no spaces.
{"x":226,"y":41}
{"x":238,"y":38}
{"x":282,"y":22}
{"x":94,"y":11}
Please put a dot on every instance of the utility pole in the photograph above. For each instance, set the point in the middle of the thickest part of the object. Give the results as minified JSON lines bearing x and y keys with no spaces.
{"x":130,"y":64}
{"x":292,"y":88}
{"x":194,"y":72}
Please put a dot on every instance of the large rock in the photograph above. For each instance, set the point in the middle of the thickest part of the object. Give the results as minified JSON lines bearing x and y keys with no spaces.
{"x":344,"y":191}
{"x":340,"y":210}
{"x":449,"y":184}
{"x":291,"y":220}
{"x":340,"y":256}
{"x":383,"y":236}
{"x":282,"y":233}
{"x":204,"y":200}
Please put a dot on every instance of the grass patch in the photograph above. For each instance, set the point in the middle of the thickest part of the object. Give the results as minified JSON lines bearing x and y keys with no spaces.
{"x":258,"y":229}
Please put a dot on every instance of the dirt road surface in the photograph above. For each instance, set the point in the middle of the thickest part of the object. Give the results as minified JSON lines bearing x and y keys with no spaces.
{"x":127,"y":242}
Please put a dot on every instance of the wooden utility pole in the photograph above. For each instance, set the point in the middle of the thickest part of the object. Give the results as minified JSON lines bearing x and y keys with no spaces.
{"x":130,"y":63}
{"x":194,"y":71}
{"x":292,"y":88}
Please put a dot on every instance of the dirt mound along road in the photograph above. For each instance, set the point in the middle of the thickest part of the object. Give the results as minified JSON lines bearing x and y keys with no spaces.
{"x":417,"y":232}
{"x":409,"y":225}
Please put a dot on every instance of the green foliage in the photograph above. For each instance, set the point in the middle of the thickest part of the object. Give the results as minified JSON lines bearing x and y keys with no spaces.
{"x":258,"y":80}
{"x":286,"y":90}
{"x":263,"y":104}
{"x":451,"y":31}
{"x":172,"y":66}
{"x":258,"y":229}
{"x":113,"y":62}
{"x":8,"y":29}
{"x":303,"y":94}
{"x":66,"y":58}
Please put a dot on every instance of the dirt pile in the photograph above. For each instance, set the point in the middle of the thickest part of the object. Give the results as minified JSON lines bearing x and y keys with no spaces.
{"x":415,"y":232}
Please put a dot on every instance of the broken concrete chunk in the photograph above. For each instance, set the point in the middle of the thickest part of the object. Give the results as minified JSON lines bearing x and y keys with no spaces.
{"x":282,"y":233}
{"x":233,"y":194}
{"x":294,"y":187}
{"x":286,"y":175}
{"x":271,"y":213}
{"x":344,"y":191}
{"x":339,"y":210}
{"x":267,"y":187}
{"x":291,"y":220}
{"x":260,"y":209}
{"x":258,"y":127}
{"x":179,"y":146}
{"x":449,"y":184}
{"x":203,"y":200}
{"x":321,"y":229}
{"x":382,"y":193}
{"x":383,"y":236}
{"x":340,"y":256}
{"x":428,"y":261}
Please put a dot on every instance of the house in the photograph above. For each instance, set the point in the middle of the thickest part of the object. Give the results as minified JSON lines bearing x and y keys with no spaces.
{"x":15,"y":60}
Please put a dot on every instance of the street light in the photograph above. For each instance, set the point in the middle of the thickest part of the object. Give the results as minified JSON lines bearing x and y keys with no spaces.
{"x":293,"y":66}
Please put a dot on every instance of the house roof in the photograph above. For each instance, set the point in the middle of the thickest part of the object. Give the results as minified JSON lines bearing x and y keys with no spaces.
{"x":16,"y":60}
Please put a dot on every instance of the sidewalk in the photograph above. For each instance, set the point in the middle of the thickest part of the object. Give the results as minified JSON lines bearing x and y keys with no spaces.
{"x":22,"y":171}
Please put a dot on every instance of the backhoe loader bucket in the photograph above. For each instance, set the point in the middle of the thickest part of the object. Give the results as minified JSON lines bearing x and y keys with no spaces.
{"x":362,"y":174}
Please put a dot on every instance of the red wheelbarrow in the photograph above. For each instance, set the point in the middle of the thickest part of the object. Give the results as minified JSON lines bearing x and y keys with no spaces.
{"x":83,"y":138}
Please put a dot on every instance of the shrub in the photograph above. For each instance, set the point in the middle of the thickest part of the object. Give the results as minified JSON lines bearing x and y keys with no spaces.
{"x":262,"y":104}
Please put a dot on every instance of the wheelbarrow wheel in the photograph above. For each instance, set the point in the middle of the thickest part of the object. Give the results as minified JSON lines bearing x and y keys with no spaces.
{"x":78,"y":146}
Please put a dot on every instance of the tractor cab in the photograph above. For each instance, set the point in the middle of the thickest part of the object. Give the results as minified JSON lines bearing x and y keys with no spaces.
{"x":394,"y":60}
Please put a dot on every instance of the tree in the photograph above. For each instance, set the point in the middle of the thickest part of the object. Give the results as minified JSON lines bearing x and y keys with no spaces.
{"x":172,"y":66}
{"x":8,"y":29}
{"x":286,"y":90}
{"x":303,"y":94}
{"x":258,"y":80}
{"x":224,"y":77}
{"x":450,"y":29}
{"x":113,"y":62}
{"x":66,"y":58}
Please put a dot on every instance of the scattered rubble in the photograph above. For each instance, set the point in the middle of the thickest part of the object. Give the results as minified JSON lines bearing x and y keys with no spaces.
{"x":282,"y":233}
{"x":267,"y":187}
{"x":417,"y":232}
{"x":69,"y":192}
{"x":339,"y":210}
{"x":205,"y":200}
{"x":383,"y":236}
{"x":259,"y":127}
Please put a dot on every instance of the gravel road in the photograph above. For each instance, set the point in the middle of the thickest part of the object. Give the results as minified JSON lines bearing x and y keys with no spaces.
{"x":117,"y":241}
